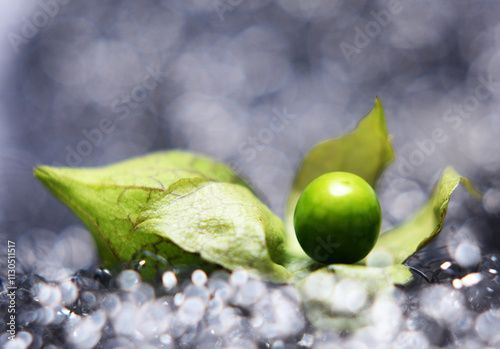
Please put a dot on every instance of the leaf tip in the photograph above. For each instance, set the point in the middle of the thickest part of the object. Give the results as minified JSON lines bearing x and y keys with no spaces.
{"x":379,"y":108}
{"x":42,"y":173}
{"x":50,"y":176}
{"x":450,"y":171}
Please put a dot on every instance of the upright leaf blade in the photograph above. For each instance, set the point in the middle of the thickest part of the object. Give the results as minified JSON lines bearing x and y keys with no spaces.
{"x":109,"y":199}
{"x":223,"y":222}
{"x":365,"y":151}
{"x":401,"y":242}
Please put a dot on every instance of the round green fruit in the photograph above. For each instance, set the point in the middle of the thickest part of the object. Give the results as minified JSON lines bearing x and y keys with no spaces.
{"x":337,"y":218}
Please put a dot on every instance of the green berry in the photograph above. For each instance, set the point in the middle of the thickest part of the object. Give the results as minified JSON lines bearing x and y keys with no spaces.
{"x":337,"y":218}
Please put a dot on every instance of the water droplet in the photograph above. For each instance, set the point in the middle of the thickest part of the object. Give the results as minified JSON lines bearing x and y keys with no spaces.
{"x":488,"y":324}
{"x":238,"y":278}
{"x":61,"y":314}
{"x":412,"y":340}
{"x":447,"y":271}
{"x":88,"y":299}
{"x":462,"y":325}
{"x":128,"y":280}
{"x":306,"y":341}
{"x":406,"y":203}
{"x":187,"y":339}
{"x":442,"y":303}
{"x":491,"y":200}
{"x":191,"y":311}
{"x":386,"y":316}
{"x":251,"y":293}
{"x":287,"y":316}
{"x":279,"y":344}
{"x":169,"y":280}
{"x":215,"y":306}
{"x":491,"y":264}
{"x":124,"y":322}
{"x":319,"y":286}
{"x":48,"y":295}
{"x":45,"y":315}
{"x":467,"y":254}
{"x":445,"y":265}
{"x":179,"y":299}
{"x":87,"y":332}
{"x":26,"y":337}
{"x":228,"y":319}
{"x":142,"y":294}
{"x":242,"y":344}
{"x":457,"y":284}
{"x":494,"y":342}
{"x":471,"y":279}
{"x":15,"y":344}
{"x":98,"y":319}
{"x":153,"y":319}
{"x":165,"y":339}
{"x":199,"y":277}
{"x":28,"y":317}
{"x":69,"y":293}
{"x":221,"y":289}
{"x":349,"y":295}
{"x":111,"y":304}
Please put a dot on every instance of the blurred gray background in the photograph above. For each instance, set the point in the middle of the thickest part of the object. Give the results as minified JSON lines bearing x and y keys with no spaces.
{"x":87,"y":83}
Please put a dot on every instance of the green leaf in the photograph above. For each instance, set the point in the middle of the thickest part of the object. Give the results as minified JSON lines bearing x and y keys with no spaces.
{"x":223,"y":222}
{"x":398,"y":274}
{"x":401,"y":242}
{"x":366,"y":151}
{"x":375,"y":278}
{"x":109,"y":199}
